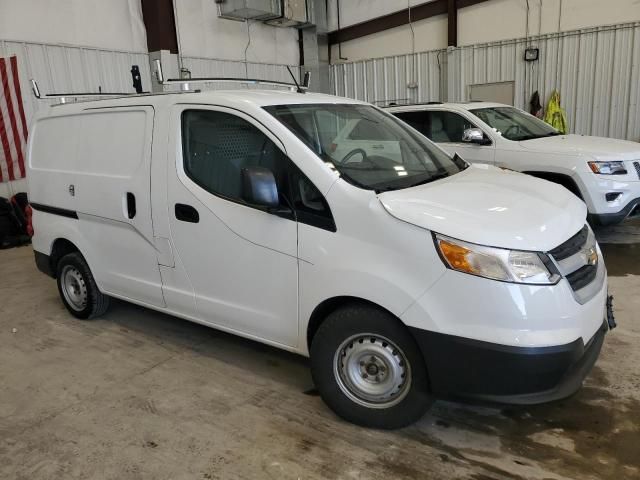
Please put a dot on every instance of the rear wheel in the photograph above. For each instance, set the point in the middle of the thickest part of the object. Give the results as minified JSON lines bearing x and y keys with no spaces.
{"x":368,"y":368}
{"x":78,"y":289}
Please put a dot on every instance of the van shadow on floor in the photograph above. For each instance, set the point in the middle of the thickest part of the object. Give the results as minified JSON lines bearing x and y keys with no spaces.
{"x":593,"y":429}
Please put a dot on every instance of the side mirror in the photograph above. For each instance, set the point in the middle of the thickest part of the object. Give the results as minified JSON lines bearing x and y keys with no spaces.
{"x":474,"y":135}
{"x":259,"y":187}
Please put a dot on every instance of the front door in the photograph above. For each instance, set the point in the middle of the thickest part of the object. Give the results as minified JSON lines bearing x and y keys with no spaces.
{"x":446,"y":128}
{"x":241,"y":261}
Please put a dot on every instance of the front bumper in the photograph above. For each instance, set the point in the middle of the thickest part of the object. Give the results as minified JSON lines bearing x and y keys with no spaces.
{"x":460,"y":367}
{"x":595,"y":188}
{"x":511,"y":343}
{"x":631,"y":209}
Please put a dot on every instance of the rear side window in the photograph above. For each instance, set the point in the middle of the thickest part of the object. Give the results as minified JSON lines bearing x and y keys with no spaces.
{"x":417,"y":120}
{"x":217,"y":146}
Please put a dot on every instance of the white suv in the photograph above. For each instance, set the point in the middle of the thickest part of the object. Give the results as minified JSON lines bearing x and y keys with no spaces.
{"x":402,"y":277}
{"x":603,"y":172}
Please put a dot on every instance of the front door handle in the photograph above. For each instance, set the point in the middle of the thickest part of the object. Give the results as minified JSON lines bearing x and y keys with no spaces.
{"x":186,"y":213}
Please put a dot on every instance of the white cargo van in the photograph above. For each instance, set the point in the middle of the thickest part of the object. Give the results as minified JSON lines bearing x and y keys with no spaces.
{"x":403,"y":277}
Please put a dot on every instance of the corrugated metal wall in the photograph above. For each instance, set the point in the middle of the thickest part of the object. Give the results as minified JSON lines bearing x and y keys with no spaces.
{"x":383,"y":80}
{"x":60,"y":68}
{"x":597,"y":72}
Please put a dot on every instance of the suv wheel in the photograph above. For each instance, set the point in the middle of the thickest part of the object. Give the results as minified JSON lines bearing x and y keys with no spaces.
{"x":78,"y":289}
{"x":368,"y":368}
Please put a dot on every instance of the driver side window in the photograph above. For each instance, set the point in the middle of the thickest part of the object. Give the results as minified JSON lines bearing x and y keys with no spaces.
{"x":217,"y":146}
{"x":499,"y":122}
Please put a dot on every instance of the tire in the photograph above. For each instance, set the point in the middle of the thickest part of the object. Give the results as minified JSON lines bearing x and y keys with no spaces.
{"x":78,"y":289}
{"x":363,"y":382}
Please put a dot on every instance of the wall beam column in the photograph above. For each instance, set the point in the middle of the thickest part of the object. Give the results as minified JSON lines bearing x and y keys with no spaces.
{"x":452,"y":23}
{"x":398,"y":19}
{"x":160,"y":24}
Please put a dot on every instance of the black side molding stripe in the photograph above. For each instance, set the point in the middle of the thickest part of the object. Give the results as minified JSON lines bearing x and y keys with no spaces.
{"x":63,"y":212}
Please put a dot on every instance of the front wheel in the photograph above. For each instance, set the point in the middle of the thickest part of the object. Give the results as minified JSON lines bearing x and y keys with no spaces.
{"x":368,"y":368}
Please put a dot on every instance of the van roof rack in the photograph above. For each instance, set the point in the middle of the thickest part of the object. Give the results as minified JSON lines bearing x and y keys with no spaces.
{"x":403,"y":103}
{"x":392,"y":102}
{"x":183,"y":82}
{"x":64,"y":96}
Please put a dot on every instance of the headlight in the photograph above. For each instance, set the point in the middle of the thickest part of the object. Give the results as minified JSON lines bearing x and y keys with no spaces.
{"x":496,"y":263}
{"x":608,"y":168}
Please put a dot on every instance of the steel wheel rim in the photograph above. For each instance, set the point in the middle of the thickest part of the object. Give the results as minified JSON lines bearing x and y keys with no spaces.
{"x":74,"y":288}
{"x":372,"y":371}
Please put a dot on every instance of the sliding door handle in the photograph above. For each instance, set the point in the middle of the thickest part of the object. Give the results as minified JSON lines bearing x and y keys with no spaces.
{"x":131,"y":205}
{"x":186,"y":213}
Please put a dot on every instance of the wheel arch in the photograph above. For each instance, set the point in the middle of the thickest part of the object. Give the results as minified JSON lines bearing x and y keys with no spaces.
{"x":329,"y":305}
{"x":59,"y":248}
{"x":560,"y":178}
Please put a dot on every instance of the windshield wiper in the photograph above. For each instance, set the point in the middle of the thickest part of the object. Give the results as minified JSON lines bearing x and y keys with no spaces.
{"x":362,"y":169}
{"x":534,"y":137}
{"x":457,"y":159}
{"x":433,"y":178}
{"x":348,"y":178}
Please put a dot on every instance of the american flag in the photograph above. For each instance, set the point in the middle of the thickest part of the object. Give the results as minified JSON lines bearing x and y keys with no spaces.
{"x":13,"y":124}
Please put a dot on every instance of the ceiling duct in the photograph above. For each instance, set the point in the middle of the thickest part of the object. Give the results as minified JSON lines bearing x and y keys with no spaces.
{"x":279,"y":13}
{"x":295,"y":13}
{"x":260,"y":10}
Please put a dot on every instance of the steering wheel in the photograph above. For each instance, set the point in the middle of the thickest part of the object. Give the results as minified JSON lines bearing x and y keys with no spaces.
{"x":354,"y":152}
{"x":507,"y":133}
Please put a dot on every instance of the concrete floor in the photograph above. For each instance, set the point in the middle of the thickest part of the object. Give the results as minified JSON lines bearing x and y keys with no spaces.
{"x":138,"y":394}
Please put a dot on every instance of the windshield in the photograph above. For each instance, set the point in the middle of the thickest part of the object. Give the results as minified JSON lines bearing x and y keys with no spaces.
{"x":514,"y":124}
{"x":369,"y":148}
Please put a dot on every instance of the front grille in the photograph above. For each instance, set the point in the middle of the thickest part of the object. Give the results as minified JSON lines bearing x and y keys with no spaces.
{"x":637,"y":167}
{"x":571,"y":246}
{"x":574,"y":259}
{"x":582,"y":277}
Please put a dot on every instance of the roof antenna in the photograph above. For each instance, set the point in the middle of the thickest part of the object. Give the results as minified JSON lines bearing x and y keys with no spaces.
{"x":298,"y":88}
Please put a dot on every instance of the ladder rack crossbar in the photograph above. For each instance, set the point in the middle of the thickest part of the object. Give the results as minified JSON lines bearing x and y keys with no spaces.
{"x":93,"y":94}
{"x":252,"y":81}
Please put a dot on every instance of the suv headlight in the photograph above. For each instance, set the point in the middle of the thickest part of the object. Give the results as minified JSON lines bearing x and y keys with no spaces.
{"x":514,"y":266}
{"x":608,"y":168}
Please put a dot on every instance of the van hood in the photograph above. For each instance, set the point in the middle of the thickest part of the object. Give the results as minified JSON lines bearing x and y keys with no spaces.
{"x":596,"y":147}
{"x":491,"y":206}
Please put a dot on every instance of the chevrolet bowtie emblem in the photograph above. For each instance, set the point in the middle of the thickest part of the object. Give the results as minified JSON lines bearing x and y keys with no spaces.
{"x":591,"y":256}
